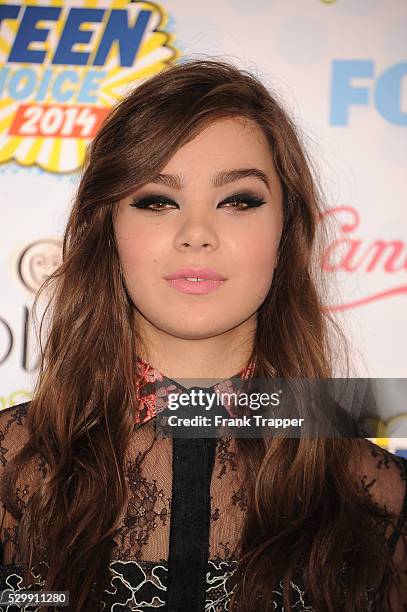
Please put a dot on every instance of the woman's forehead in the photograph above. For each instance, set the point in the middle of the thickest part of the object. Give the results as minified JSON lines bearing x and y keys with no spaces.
{"x":223,"y":145}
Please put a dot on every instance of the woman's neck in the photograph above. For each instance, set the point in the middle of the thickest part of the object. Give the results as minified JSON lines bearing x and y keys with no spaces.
{"x":220,"y":356}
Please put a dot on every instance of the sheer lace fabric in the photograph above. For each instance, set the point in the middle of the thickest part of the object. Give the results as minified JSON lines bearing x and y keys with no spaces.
{"x":142,"y":540}
{"x":144,"y":532}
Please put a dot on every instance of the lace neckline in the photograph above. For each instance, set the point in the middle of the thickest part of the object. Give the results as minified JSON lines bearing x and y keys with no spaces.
{"x":152,"y":388}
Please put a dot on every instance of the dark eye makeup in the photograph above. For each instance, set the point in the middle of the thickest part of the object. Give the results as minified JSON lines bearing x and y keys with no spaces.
{"x":240,"y":201}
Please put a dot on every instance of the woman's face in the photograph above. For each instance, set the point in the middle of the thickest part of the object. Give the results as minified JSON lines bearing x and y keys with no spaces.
{"x":204,"y":210}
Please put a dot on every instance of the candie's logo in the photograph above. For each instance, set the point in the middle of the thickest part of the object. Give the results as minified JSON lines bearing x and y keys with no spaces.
{"x":63,"y":67}
{"x":351,"y":254}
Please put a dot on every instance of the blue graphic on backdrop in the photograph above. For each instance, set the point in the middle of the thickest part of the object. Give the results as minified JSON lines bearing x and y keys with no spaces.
{"x":381,"y":91}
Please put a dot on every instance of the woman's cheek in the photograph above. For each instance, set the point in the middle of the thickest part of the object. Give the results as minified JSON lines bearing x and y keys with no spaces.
{"x":132,"y":264}
{"x":261,"y":255}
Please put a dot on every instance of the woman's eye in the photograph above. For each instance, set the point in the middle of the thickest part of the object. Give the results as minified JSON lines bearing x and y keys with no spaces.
{"x":153,"y":203}
{"x":243,"y":201}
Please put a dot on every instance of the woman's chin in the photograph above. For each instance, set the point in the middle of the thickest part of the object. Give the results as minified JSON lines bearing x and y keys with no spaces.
{"x":193,"y":331}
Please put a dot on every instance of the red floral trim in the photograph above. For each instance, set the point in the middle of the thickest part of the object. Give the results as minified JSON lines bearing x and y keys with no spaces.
{"x":153,"y":401}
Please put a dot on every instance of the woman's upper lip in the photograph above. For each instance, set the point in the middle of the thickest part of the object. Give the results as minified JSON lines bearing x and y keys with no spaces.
{"x":208,"y":273}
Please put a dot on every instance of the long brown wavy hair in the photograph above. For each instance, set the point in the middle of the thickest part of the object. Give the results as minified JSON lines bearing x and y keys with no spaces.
{"x":305,"y":509}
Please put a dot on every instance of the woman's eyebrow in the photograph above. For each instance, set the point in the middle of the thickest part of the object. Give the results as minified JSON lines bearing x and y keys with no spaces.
{"x":218,"y":180}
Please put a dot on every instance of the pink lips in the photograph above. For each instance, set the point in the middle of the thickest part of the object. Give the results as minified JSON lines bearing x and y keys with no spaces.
{"x":213,"y":280}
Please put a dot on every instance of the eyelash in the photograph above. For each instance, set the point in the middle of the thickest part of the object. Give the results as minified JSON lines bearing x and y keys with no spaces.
{"x":237,"y":198}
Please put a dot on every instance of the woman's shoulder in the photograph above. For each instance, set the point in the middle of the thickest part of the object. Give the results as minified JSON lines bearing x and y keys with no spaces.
{"x":13,"y":431}
{"x":17,"y":412}
{"x":383,"y":475}
{"x":13,"y":435}
{"x":18,"y":409}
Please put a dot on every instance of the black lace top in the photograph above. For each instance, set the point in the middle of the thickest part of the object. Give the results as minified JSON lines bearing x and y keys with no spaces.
{"x":177,"y":546}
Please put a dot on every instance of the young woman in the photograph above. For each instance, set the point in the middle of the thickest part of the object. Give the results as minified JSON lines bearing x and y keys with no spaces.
{"x":197,"y":173}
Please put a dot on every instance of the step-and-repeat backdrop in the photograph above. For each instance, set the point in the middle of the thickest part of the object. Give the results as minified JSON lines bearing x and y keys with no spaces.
{"x":339,"y":65}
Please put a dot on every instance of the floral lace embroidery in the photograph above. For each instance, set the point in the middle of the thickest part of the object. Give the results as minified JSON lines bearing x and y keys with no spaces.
{"x":225,"y":456}
{"x":146,"y":506}
{"x":239,"y":498}
{"x":149,"y":509}
{"x":141,"y":586}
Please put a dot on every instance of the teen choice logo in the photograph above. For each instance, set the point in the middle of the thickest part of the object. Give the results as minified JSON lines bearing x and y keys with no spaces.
{"x":63,"y":67}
